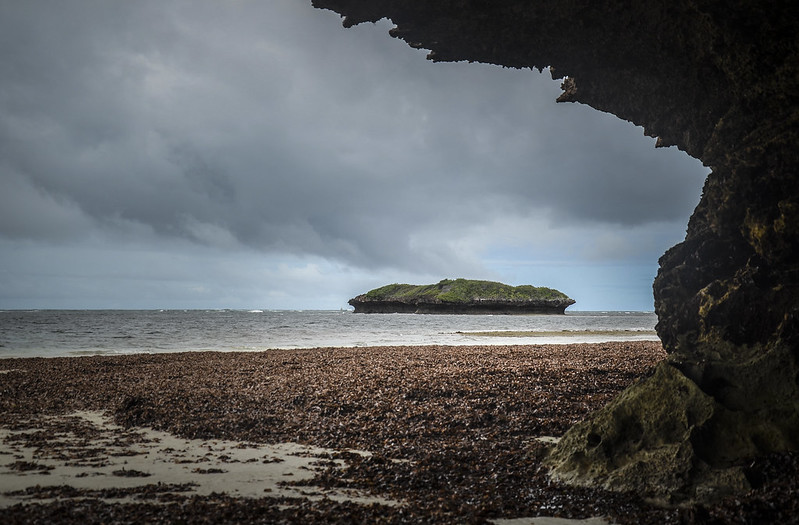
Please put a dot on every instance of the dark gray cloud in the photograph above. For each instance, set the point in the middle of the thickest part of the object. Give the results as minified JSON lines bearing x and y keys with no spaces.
{"x":266,"y":127}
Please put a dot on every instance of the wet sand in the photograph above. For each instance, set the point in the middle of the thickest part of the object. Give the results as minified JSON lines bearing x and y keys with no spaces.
{"x":351,"y":435}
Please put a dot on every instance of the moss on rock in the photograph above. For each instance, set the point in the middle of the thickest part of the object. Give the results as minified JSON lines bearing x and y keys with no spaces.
{"x":643,"y":441}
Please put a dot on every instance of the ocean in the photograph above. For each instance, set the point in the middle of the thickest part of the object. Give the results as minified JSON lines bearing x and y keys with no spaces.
{"x":52,"y":333}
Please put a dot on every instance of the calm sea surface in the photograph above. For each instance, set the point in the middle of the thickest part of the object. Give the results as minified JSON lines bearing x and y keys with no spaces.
{"x":49,"y":333}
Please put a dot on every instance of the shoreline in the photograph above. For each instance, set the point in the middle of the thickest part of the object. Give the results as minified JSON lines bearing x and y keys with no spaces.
{"x":495,"y":338}
{"x":462,"y":424}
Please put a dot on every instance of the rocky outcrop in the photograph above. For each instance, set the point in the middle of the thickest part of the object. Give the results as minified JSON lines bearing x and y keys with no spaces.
{"x":488,"y":307}
{"x":720,"y":80}
{"x":462,"y":296}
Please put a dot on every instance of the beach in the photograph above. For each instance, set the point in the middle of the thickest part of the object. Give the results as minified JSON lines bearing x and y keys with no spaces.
{"x":422,"y":434}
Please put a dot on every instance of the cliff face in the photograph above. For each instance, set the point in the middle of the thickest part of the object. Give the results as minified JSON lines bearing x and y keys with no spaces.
{"x":720,"y":80}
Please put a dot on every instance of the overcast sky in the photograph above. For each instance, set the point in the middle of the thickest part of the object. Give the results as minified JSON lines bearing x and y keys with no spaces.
{"x":252,"y":154}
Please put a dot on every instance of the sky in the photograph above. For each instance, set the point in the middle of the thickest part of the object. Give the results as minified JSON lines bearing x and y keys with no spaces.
{"x":251,"y":154}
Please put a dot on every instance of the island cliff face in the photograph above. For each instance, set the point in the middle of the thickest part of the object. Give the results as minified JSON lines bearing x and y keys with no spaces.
{"x":462,"y":296}
{"x":720,"y":80}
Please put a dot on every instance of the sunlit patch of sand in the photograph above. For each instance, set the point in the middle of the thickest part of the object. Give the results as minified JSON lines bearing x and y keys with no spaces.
{"x":86,"y":450}
{"x":47,"y":457}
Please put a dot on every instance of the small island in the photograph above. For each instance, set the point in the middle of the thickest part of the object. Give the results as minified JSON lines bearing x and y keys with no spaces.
{"x":462,"y":296}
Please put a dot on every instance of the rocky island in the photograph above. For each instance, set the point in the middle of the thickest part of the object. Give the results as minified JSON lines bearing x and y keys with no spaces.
{"x":462,"y":296}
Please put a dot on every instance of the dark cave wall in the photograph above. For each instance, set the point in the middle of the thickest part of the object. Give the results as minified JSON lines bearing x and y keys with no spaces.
{"x":719,"y":80}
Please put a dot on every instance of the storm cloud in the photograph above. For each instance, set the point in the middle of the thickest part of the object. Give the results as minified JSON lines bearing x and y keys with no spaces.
{"x":213,"y":133}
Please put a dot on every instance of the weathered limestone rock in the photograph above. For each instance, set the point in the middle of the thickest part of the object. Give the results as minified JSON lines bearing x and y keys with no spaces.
{"x":650,"y":438}
{"x":720,"y":80}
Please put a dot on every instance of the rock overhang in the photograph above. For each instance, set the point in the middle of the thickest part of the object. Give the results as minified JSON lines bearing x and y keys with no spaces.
{"x":719,"y":80}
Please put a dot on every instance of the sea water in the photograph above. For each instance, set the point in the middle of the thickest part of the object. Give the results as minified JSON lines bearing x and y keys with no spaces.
{"x":50,"y":333}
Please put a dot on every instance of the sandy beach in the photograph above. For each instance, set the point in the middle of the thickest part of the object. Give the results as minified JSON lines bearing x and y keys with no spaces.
{"x":436,"y":434}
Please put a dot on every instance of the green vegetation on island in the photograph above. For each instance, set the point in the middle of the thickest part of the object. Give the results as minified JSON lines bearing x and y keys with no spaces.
{"x":462,"y":296}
